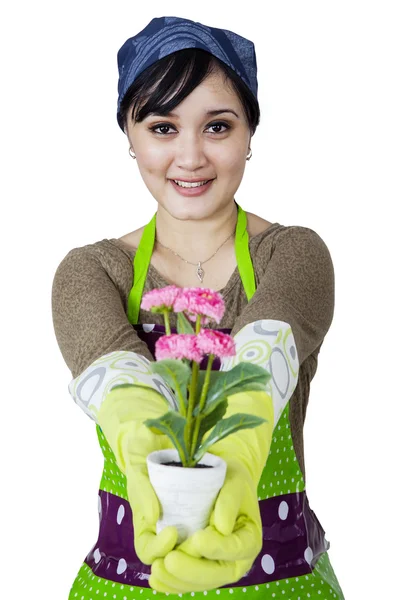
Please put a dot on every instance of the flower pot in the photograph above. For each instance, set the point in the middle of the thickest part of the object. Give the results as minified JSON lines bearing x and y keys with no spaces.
{"x":186,"y":495}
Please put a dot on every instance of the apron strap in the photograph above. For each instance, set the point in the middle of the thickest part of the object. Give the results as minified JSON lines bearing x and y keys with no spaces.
{"x":140,"y":267}
{"x":243,"y":256}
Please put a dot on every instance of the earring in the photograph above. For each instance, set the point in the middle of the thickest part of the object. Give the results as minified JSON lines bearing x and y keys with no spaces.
{"x":132,"y":155}
{"x":251,"y":154}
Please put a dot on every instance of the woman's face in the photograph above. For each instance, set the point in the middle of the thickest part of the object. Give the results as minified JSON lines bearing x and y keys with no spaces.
{"x":194,"y":145}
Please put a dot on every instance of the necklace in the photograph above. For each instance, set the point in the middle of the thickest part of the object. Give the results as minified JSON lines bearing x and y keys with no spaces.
{"x":199,"y":270}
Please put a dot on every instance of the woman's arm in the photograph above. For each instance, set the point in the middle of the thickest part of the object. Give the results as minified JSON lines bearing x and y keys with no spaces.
{"x":290,"y":313}
{"x":98,"y":343}
{"x":297,"y":287}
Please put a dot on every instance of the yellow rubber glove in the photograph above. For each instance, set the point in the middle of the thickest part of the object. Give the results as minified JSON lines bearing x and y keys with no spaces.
{"x":224,"y":552}
{"x":121,"y":418}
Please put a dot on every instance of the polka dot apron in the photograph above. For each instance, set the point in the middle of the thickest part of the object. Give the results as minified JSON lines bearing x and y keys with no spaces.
{"x":293,"y":563}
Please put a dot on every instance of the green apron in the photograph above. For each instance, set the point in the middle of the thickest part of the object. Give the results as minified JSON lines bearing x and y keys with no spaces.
{"x":293,"y":563}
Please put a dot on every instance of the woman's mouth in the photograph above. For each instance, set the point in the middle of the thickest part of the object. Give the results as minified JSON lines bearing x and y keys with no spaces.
{"x":192,"y":191}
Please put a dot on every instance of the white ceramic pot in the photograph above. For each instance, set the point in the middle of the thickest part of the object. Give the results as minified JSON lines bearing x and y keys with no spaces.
{"x":186,"y":495}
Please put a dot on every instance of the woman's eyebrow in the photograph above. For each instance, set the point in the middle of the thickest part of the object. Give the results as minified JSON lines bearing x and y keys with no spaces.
{"x":208,"y":112}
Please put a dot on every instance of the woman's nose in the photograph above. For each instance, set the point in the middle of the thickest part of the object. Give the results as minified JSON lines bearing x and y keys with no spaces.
{"x":190,"y":151}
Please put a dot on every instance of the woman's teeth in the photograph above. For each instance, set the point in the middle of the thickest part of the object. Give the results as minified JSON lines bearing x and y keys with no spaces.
{"x":189,"y":185}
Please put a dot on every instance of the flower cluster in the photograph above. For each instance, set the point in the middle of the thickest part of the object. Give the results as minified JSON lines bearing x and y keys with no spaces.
{"x":202,"y":305}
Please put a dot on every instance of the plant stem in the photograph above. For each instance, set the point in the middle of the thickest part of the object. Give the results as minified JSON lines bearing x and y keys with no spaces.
{"x":192,"y":395}
{"x":191,"y":403}
{"x":202,"y":402}
{"x":166,"y":321}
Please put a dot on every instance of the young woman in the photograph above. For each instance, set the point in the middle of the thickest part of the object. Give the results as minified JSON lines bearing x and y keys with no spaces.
{"x":188,"y":106}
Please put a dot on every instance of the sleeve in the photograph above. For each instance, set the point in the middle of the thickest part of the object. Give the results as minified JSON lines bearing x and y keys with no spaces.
{"x":98,"y":343}
{"x":290,"y":312}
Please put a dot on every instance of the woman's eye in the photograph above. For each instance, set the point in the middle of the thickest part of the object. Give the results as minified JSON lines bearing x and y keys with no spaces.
{"x":167,"y":126}
{"x":219,"y":125}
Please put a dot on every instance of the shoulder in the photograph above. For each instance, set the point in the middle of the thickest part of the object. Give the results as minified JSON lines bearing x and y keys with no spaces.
{"x":296,"y":253}
{"x":105,"y":249}
{"x":291,"y":238}
{"x":305,"y":243}
{"x":87,"y":263}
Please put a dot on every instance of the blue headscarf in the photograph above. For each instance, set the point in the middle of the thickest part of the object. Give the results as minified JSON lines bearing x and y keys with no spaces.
{"x":165,"y":35}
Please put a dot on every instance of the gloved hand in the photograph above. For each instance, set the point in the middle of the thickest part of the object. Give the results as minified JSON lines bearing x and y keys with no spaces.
{"x":121,"y":418}
{"x":223,"y":552}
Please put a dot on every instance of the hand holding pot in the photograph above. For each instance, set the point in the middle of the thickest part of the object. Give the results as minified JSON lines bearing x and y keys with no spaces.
{"x":121,"y":418}
{"x":235,"y":530}
{"x":209,"y":559}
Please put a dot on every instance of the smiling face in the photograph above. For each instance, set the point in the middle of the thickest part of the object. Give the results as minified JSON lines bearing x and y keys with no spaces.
{"x":194,"y":145}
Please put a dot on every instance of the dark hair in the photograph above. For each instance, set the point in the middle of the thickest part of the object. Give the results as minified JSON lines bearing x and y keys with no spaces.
{"x":176,"y":76}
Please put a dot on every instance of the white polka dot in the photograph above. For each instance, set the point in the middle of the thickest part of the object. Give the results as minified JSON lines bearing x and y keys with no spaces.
{"x":268,"y":564}
{"x":121,"y":513}
{"x":283,"y":510}
{"x":122,"y":566}
{"x":97,"y":556}
{"x":308,"y":555}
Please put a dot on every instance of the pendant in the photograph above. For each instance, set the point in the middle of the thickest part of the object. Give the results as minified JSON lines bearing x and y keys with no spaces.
{"x":200,"y":272}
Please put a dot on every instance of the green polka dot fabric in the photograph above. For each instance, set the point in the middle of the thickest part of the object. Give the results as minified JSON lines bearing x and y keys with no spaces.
{"x":112,"y":479}
{"x":281,"y":475}
{"x":321,"y":584}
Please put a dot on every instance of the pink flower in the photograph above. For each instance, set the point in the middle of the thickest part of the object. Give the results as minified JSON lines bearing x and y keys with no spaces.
{"x":215,"y":342}
{"x":178,"y":345}
{"x":160,"y":299}
{"x":200,"y":301}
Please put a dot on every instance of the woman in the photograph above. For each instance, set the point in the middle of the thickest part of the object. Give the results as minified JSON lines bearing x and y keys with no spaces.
{"x":188,"y":105}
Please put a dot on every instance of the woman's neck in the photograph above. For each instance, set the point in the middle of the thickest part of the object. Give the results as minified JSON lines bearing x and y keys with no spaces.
{"x":196,"y":239}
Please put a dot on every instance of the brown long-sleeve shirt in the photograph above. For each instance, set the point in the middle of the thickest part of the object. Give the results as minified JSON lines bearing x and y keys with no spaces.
{"x":295,"y":284}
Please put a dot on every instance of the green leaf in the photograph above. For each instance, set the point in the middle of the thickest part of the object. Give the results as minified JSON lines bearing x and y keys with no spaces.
{"x":173,"y":425}
{"x":244,"y":377}
{"x":184,"y":325}
{"x":175,"y":373}
{"x":227,"y":426}
{"x":208,"y":421}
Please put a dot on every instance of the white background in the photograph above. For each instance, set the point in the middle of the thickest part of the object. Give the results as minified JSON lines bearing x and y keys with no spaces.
{"x":326,"y":156}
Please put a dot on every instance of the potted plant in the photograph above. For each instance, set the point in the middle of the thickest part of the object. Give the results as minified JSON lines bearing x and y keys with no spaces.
{"x":187,"y":478}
